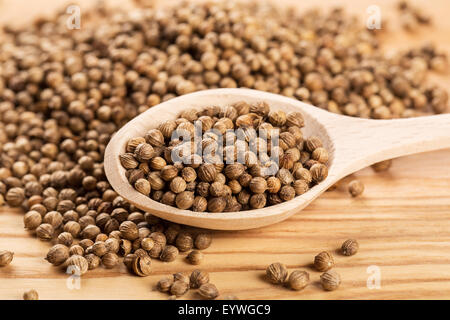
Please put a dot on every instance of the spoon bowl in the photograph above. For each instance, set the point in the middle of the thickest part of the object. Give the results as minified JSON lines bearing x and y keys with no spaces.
{"x":353,"y":144}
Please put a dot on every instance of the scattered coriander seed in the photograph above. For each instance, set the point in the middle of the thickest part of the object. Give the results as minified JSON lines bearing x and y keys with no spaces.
{"x":76,"y":250}
{"x":155,"y":251}
{"x":181,"y":276}
{"x":31,"y":295}
{"x":129,"y":230}
{"x":382,"y":166}
{"x":5,"y":257}
{"x":45,"y":232}
{"x":77,"y":264}
{"x":128,"y":260}
{"x":169,"y":253}
{"x":179,"y":288}
{"x":65,"y":238}
{"x":99,"y":249}
{"x":355,"y":188}
{"x":277,"y":273}
{"x":57,"y":254}
{"x":323,"y":261}
{"x":330,"y":280}
{"x":298,"y":280}
{"x":350,"y":247}
{"x":90,"y":232}
{"x":32,"y":220}
{"x":15,"y":196}
{"x":142,"y":266}
{"x":125,"y":247}
{"x":203,"y":241}
{"x":112,"y":245}
{"x":110,"y":260}
{"x":147,"y":244}
{"x":164,"y":284}
{"x":93,"y":261}
{"x":159,"y":238}
{"x":198,"y":278}
{"x":194,"y":257}
{"x":208,"y":291}
{"x":184,"y":242}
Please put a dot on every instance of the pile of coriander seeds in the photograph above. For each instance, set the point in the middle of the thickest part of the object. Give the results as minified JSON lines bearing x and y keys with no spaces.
{"x":244,"y":156}
{"x":63,"y":93}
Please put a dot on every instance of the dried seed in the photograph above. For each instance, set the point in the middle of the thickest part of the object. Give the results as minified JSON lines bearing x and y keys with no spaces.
{"x":208,"y":291}
{"x":57,"y":254}
{"x":350,"y":247}
{"x":277,"y":273}
{"x":330,"y":280}
{"x":323,"y":261}
{"x":5,"y":257}
{"x":142,"y":266}
{"x":298,"y":280}
{"x":194,"y":257}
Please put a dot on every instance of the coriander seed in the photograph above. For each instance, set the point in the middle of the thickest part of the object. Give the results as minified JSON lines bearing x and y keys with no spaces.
{"x":208,"y":291}
{"x":45,"y":232}
{"x":31,"y":295}
{"x":179,"y":288}
{"x":32,"y":220}
{"x":65,"y":238}
{"x":93,"y":261}
{"x":181,"y":276}
{"x":184,"y":242}
{"x":194,"y":257}
{"x":298,"y":280}
{"x":57,"y":254}
{"x":323,"y":261}
{"x":147,"y":244}
{"x":164,"y":284}
{"x":76,"y":264}
{"x":330,"y":280}
{"x":350,"y":247}
{"x":112,"y":245}
{"x":355,"y":188}
{"x":203,"y":241}
{"x":277,"y":273}
{"x":129,"y":230}
{"x":169,"y":253}
{"x":5,"y":257}
{"x":76,"y":250}
{"x":198,"y":278}
{"x":99,"y":249}
{"x":110,"y":260}
{"x":382,"y":166}
{"x":319,"y":172}
{"x":142,"y":266}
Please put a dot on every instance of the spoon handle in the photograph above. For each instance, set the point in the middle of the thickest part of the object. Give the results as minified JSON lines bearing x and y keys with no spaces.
{"x":361,"y":143}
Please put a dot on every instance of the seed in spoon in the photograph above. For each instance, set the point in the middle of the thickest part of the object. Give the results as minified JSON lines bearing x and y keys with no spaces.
{"x":237,"y":170}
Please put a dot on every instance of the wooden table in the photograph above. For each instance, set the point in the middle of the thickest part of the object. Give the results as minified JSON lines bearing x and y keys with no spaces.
{"x":402,"y":223}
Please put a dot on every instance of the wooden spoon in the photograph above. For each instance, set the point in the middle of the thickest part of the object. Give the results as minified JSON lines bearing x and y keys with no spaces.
{"x":353,"y":144}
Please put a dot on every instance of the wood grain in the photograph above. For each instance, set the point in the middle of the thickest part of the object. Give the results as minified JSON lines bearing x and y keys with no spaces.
{"x":402,"y":223}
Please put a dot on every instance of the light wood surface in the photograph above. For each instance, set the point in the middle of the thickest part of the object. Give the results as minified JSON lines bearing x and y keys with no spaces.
{"x":353,"y":144}
{"x":402,"y":223}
